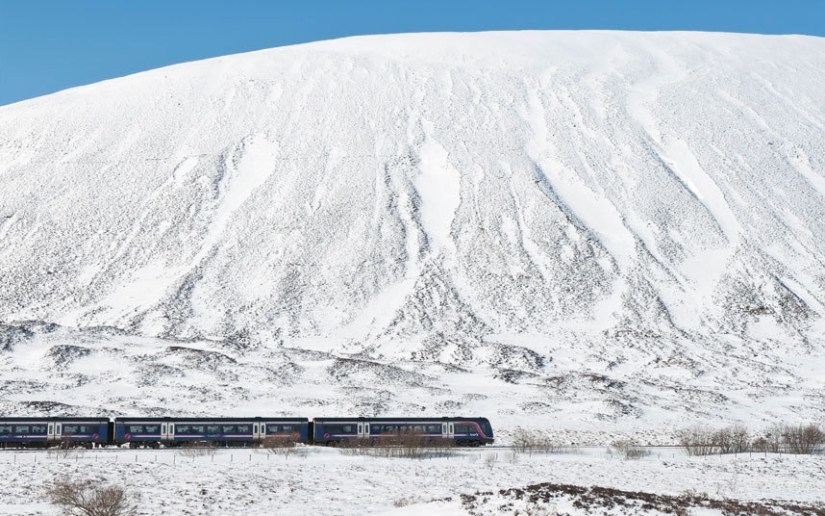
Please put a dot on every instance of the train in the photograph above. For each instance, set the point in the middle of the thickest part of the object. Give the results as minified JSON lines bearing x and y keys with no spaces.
{"x":172,"y":432}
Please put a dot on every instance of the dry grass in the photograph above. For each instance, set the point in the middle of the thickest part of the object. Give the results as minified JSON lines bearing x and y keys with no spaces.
{"x":400,"y":445}
{"x":284,"y":446}
{"x":198,"y":449}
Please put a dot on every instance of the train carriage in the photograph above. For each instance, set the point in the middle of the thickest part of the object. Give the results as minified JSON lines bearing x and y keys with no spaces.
{"x":170,"y":431}
{"x":45,"y":432}
{"x":464,"y":431}
{"x":154,"y":432}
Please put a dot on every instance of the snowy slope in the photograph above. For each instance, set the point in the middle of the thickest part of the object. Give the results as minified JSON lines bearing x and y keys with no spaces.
{"x":609,"y":226}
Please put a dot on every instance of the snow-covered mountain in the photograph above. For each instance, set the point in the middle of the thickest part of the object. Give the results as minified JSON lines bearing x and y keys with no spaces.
{"x":549,"y":227}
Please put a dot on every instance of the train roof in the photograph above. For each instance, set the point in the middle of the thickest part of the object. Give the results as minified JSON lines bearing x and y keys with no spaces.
{"x":30,"y":419}
{"x":210,"y":419}
{"x":398,"y":419}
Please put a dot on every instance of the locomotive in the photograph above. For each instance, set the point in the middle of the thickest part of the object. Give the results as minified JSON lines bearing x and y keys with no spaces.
{"x":170,"y":432}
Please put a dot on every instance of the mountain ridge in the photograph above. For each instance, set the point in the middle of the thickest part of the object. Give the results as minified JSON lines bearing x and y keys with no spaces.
{"x":537,"y":207}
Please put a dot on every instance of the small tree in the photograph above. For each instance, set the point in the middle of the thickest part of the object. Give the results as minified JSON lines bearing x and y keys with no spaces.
{"x":90,"y":498}
{"x":526,"y":441}
{"x":697,"y":440}
{"x":803,"y":439}
{"x":741,"y":439}
{"x":770,"y":440}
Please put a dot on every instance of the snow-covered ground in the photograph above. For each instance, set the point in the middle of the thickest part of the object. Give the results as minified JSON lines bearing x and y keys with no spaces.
{"x":60,"y":371}
{"x":329,"y":482}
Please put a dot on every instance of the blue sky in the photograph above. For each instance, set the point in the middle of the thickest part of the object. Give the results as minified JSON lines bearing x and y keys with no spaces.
{"x":50,"y":45}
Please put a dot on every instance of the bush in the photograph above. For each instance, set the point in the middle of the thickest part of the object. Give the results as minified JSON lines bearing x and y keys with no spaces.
{"x":90,"y":498}
{"x":198,"y":449}
{"x":276,"y":443}
{"x":701,"y":440}
{"x":526,"y":441}
{"x":733,"y":439}
{"x":800,"y":439}
{"x":771,"y":440}
{"x":629,"y":449}
{"x":697,"y":441}
{"x":283,"y":446}
{"x":401,"y":445}
{"x":803,"y":439}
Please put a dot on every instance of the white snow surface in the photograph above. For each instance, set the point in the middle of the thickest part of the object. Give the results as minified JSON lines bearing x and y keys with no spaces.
{"x":589,"y":231}
{"x":326,"y":482}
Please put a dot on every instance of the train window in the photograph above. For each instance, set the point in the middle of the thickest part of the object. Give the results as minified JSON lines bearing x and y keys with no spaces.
{"x":433,"y":429}
{"x":464,"y":428}
{"x":79,"y":429}
{"x":213,"y":429}
{"x":340,"y":429}
{"x":152,"y":429}
{"x":229,"y":429}
{"x":281,"y":429}
{"x":182,"y":429}
{"x":133,"y":429}
{"x":23,"y":429}
{"x":244,"y":429}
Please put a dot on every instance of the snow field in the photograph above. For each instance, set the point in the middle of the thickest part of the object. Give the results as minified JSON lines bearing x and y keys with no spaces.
{"x":325,"y":481}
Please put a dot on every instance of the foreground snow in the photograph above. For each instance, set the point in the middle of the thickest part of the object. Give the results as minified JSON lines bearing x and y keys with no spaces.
{"x":329,"y":482}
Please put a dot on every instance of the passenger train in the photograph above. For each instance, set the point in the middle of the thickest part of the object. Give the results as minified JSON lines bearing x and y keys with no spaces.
{"x":170,"y":432}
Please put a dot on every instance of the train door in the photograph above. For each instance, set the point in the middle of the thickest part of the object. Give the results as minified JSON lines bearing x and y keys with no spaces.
{"x":167,"y":431}
{"x":363,"y":430}
{"x":55,"y":432}
{"x":258,"y":431}
{"x":448,"y":430}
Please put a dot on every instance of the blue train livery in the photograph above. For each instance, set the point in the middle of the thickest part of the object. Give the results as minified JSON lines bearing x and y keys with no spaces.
{"x":464,"y":431}
{"x":170,"y":431}
{"x":54,"y":431}
{"x":137,"y":432}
